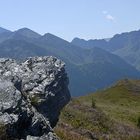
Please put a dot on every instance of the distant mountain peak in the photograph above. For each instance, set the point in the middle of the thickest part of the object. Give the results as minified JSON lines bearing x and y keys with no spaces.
{"x":28,"y":33}
{"x":77,"y":39}
{"x":24,"y":29}
{"x":53,"y":38}
{"x":47,"y":35}
{"x":89,"y":43}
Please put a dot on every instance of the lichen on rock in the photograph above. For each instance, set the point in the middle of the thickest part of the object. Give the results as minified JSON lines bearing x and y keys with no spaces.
{"x":32,"y":95}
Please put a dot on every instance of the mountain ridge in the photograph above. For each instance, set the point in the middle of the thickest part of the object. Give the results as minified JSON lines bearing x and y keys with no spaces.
{"x":92,"y":68}
{"x":126,"y":45}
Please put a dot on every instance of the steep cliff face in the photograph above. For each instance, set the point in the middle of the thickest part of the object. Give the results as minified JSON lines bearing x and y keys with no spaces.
{"x":32,"y":94}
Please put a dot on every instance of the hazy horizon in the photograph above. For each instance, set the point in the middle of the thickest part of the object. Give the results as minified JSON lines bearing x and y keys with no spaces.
{"x":68,"y":19}
{"x":73,"y":37}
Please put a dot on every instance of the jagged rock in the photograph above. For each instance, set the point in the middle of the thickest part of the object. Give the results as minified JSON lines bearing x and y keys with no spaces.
{"x":9,"y":95}
{"x":32,"y":95}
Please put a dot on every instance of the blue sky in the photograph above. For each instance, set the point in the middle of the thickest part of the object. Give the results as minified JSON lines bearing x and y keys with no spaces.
{"x":72,"y":18}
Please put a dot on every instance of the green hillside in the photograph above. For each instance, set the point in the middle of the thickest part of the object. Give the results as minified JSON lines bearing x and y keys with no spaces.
{"x":111,"y":114}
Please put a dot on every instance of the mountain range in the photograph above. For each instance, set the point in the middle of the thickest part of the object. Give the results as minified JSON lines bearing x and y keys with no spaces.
{"x":90,"y":67}
{"x":125,"y":45}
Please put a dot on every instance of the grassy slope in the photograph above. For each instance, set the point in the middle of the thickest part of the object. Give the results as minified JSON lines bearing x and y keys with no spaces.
{"x":115,"y":115}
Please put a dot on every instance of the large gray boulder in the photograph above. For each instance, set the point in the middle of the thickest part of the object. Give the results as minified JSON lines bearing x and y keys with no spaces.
{"x":32,"y":95}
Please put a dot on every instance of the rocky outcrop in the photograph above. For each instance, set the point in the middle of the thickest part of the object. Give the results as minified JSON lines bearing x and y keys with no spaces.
{"x":32,"y":94}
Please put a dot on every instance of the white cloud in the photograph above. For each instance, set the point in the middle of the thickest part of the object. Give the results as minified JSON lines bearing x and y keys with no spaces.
{"x":110,"y":17}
